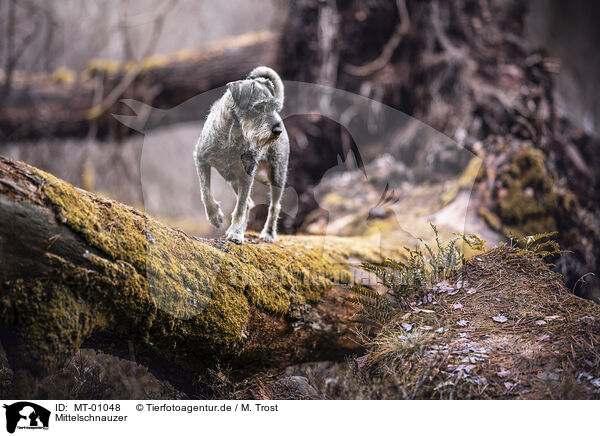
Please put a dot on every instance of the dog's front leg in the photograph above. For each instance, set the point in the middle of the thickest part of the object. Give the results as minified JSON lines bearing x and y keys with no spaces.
{"x":235,"y":232}
{"x":213,"y":210}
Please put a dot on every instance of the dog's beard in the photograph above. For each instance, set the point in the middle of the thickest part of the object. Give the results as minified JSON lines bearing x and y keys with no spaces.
{"x":260,"y":135}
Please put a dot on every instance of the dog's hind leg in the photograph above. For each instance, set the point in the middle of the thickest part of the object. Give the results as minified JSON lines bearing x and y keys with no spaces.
{"x":211,"y":206}
{"x":234,"y":184}
{"x":239,"y":218}
{"x":269,"y":232}
{"x":249,"y":207}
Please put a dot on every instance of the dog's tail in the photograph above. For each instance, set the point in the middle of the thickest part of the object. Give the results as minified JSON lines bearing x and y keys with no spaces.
{"x":270,"y":74}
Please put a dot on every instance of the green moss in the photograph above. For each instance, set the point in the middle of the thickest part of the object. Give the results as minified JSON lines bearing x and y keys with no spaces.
{"x":155,"y":61}
{"x":56,"y":320}
{"x":529,"y":167}
{"x":105,"y":66}
{"x":528,"y":202}
{"x":275,"y":278}
{"x":115,"y":229}
{"x":63,"y":75}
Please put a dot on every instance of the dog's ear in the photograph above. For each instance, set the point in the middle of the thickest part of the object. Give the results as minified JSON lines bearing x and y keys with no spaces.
{"x":241,"y":91}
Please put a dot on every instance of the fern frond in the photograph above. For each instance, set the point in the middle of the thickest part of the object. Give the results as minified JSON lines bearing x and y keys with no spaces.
{"x":421,"y":267}
{"x":368,"y":293}
{"x":437,"y":235}
{"x":451,"y":254}
{"x":428,"y":248}
{"x":371,"y":305}
{"x":395,"y":264}
{"x":539,"y":245}
{"x":539,"y":236}
{"x":473,"y":241}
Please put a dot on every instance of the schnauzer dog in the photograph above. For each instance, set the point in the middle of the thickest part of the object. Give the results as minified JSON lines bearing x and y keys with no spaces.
{"x":244,"y":137}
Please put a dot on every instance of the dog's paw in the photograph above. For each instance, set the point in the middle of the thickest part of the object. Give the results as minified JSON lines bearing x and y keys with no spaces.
{"x":268,"y":237}
{"x":234,"y":235}
{"x":215,"y":216}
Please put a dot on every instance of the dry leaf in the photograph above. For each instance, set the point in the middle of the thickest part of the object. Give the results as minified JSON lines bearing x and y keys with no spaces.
{"x":407,"y":327}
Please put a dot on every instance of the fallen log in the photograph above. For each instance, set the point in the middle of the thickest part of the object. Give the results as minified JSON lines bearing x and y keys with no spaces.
{"x":80,"y":270}
{"x":67,"y":104}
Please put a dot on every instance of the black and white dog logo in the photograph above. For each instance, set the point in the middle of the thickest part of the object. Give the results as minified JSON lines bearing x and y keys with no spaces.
{"x":26,"y":415}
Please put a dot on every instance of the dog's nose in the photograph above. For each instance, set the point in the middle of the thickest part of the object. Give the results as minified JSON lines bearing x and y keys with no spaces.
{"x":277,"y":130}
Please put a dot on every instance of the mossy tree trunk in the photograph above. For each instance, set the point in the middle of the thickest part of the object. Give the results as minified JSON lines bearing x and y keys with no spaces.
{"x":79,"y":270}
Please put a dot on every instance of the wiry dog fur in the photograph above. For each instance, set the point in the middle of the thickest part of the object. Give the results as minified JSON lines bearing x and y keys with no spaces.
{"x":244,"y":137}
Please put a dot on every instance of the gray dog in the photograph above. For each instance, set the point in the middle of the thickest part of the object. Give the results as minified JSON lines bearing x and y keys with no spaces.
{"x":244,"y":137}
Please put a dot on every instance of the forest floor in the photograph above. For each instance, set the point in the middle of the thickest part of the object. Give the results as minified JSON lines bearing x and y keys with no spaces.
{"x":508,"y":329}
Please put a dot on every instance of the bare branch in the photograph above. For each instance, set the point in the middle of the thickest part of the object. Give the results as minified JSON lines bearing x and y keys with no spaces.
{"x":126,"y":81}
{"x":14,"y":51}
{"x":389,"y":48}
{"x":124,"y":31}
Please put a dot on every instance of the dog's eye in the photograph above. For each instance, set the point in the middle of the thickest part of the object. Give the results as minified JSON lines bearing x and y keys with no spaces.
{"x":260,"y":107}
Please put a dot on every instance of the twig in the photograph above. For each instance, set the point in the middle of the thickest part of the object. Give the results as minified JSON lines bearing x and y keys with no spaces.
{"x":581,"y":279}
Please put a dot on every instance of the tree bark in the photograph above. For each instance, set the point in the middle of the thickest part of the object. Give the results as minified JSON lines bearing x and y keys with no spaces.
{"x":79,"y":270}
{"x":65,"y":104}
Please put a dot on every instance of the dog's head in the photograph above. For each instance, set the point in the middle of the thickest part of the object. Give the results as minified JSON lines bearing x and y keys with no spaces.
{"x":256,"y":105}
